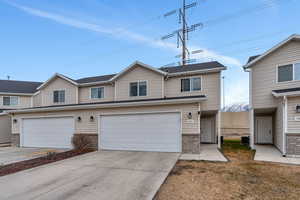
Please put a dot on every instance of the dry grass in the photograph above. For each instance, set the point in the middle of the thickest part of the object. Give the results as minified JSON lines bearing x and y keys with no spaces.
{"x":242,"y":178}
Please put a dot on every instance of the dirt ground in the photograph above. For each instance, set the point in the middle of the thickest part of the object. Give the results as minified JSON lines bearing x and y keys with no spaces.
{"x":241,"y":178}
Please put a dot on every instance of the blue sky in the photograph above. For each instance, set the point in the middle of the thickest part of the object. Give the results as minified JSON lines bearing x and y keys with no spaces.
{"x":82,"y":38}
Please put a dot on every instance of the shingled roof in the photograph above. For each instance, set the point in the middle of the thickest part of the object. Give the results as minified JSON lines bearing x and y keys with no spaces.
{"x":252,"y":58}
{"x":11,"y":86}
{"x":193,"y":67}
{"x":287,"y":90}
{"x":95,"y":79}
{"x":170,"y":70}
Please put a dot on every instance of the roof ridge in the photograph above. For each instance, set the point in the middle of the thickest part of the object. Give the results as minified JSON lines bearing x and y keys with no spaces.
{"x":96,"y":76}
{"x":21,"y":81}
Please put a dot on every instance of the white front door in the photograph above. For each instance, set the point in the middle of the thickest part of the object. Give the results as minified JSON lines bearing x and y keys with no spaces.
{"x":53,"y":132}
{"x":141,"y":132}
{"x":264,"y":130}
{"x":207,"y":130}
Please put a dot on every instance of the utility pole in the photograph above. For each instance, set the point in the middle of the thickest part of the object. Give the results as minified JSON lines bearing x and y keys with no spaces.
{"x":224,"y":105}
{"x":182,"y":34}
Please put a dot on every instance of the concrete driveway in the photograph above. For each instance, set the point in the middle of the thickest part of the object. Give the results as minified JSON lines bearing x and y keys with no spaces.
{"x":94,"y":176}
{"x":10,"y":155}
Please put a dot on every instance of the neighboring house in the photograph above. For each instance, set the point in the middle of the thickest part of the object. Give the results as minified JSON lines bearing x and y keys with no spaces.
{"x":141,"y":108}
{"x":275,"y":97}
{"x":13,"y":95}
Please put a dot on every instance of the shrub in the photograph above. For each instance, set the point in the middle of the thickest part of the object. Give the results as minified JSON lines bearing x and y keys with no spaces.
{"x":51,"y":155}
{"x":81,"y":143}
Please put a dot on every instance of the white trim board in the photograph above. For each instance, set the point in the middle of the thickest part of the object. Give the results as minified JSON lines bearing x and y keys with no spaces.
{"x":111,"y":105}
{"x":55,"y":76}
{"x":292,"y":37}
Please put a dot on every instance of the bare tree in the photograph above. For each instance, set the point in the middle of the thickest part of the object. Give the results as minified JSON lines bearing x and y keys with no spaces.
{"x":237,"y":107}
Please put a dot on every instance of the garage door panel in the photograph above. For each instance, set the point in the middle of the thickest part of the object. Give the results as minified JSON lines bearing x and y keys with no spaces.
{"x":48,"y":132}
{"x":142,"y":132}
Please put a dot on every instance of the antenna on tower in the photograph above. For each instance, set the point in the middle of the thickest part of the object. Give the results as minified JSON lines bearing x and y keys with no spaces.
{"x":183,"y":33}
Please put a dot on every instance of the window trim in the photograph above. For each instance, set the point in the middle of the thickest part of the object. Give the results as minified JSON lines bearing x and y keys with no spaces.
{"x":138,"y":91}
{"x":280,"y":65}
{"x":53,"y":96}
{"x":96,"y":88}
{"x":10,"y":100}
{"x":191,"y":77}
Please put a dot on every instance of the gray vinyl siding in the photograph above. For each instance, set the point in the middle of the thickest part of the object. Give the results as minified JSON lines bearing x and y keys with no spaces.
{"x":210,"y":86}
{"x":293,"y":123}
{"x":59,"y":84}
{"x":23,"y":102}
{"x":37,"y":100}
{"x":264,"y":75}
{"x":85,"y":94}
{"x":158,"y":86}
{"x":154,"y":84}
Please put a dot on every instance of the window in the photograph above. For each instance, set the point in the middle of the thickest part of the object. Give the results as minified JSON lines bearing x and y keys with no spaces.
{"x":143,"y":88}
{"x":138,"y":89}
{"x":190,"y":84}
{"x":185,"y":85}
{"x":59,"y":96}
{"x":97,"y":93}
{"x":285,"y":73}
{"x":289,"y":72}
{"x":297,"y":71}
{"x":10,"y":101}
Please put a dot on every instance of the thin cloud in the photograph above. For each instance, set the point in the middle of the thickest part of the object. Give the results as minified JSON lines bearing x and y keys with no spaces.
{"x":237,"y":92}
{"x":123,"y":34}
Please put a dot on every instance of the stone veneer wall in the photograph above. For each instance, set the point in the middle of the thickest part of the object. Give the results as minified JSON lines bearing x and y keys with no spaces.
{"x":191,"y":143}
{"x":15,"y":140}
{"x":293,"y":144}
{"x":93,"y":139}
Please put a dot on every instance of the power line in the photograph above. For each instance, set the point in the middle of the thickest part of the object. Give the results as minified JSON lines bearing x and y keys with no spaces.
{"x":183,"y":33}
{"x":242,"y":12}
{"x":218,"y":20}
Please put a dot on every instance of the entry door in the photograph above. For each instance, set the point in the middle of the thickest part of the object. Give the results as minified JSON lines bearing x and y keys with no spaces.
{"x":207,"y":130}
{"x":141,"y":132}
{"x":264,"y":131}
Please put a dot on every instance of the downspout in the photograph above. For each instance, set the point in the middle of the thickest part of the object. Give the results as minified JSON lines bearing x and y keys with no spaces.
{"x":199,"y":122}
{"x":251,"y":110}
{"x":219,"y":113}
{"x":219,"y":129}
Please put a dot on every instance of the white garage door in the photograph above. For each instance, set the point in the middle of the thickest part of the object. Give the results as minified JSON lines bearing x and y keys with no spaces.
{"x":47,"y":132}
{"x":141,"y":132}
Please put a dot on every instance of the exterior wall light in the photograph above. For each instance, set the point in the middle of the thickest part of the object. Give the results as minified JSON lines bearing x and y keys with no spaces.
{"x":15,"y":121}
{"x":190,"y":116}
{"x":79,"y":119}
{"x":92,"y":118}
{"x":298,"y":108}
